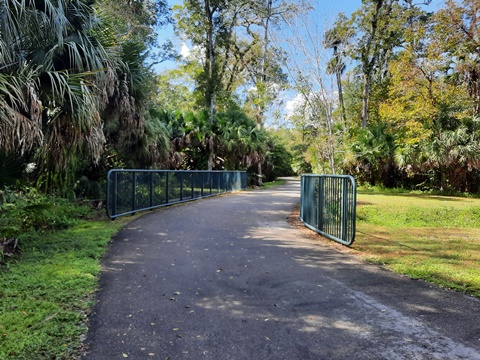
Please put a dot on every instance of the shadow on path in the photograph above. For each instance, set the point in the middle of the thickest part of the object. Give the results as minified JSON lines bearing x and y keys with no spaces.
{"x":228,"y":278}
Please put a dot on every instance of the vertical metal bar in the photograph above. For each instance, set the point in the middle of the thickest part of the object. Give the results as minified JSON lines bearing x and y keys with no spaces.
{"x":166,"y":188}
{"x":203,"y":180}
{"x":181,"y":186}
{"x":321,"y":198}
{"x":210,"y":178}
{"x":134,"y":192}
{"x":328,"y":200}
{"x":338,"y":207}
{"x":192,"y":182}
{"x":115,"y":194}
{"x":151,"y":188}
{"x":344,"y":209}
{"x":331,"y":206}
{"x":302,"y":195}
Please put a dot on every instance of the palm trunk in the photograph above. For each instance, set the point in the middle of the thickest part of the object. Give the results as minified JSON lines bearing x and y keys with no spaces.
{"x":260,"y":175}
{"x":210,"y":160}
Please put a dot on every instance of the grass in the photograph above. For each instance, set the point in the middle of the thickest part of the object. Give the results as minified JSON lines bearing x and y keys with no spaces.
{"x":272,"y":184}
{"x":430,"y":237}
{"x":47,"y":290}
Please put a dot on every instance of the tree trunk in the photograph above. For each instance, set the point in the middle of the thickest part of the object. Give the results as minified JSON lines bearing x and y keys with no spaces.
{"x":365,"y":99}
{"x":260,"y":175}
{"x":340,"y":98}
{"x":263,"y":75}
{"x":210,"y":160}
{"x":210,"y":86}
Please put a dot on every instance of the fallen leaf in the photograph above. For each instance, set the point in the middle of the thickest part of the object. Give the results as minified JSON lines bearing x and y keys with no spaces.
{"x":125,"y":355}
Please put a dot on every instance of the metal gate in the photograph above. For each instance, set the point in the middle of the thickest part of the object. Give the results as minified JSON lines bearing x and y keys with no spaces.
{"x":328,"y":206}
{"x":130,"y":191}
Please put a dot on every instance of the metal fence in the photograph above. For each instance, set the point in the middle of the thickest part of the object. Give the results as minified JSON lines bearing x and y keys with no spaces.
{"x":328,"y":206}
{"x":130,"y":191}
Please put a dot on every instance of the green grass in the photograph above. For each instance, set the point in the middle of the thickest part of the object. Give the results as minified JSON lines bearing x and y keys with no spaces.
{"x":47,"y":290}
{"x":272,"y":184}
{"x":430,"y":237}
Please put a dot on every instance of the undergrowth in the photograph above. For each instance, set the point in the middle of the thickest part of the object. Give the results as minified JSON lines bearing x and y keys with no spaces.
{"x":48,"y":281}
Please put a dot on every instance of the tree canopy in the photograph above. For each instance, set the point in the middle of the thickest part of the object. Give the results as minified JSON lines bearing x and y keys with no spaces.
{"x":389,"y":93}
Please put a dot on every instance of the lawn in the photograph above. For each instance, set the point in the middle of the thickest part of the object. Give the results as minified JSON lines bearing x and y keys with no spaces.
{"x":435,"y":238}
{"x":47,"y":290}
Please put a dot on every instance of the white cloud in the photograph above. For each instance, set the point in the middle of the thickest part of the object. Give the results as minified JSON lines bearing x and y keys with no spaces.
{"x":292,"y":104}
{"x":185,"y":51}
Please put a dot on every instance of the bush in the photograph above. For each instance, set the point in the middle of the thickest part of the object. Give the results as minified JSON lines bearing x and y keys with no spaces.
{"x":26,"y":211}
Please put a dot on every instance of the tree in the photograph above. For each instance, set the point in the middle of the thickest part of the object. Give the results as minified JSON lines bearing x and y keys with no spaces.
{"x":416,"y":86}
{"x":54,"y":57}
{"x":138,"y":21}
{"x":457,"y":32}
{"x":265,"y":61}
{"x":379,"y":29}
{"x":174,"y":89}
{"x":234,"y":43}
{"x":336,"y":39}
{"x":431,"y":107}
{"x":209,"y":25}
{"x":308,"y":68}
{"x":65,"y":78}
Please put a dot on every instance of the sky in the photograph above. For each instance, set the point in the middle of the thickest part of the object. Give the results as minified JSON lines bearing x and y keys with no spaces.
{"x":325,"y":10}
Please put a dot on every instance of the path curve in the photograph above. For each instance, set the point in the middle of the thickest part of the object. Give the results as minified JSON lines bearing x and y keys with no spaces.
{"x":229,"y":278}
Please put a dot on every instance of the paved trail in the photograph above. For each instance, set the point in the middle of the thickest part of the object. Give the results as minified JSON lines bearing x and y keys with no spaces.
{"x":228,"y":278}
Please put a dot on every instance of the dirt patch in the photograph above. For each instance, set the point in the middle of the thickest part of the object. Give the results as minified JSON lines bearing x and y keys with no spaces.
{"x":294,"y":221}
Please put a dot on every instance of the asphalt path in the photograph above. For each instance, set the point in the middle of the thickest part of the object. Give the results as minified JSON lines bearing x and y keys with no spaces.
{"x":228,"y":278}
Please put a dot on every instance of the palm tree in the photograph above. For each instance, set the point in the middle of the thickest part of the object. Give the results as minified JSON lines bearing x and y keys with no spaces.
{"x":374,"y":150}
{"x":54,"y":64}
{"x":65,"y":83}
{"x":451,"y":153}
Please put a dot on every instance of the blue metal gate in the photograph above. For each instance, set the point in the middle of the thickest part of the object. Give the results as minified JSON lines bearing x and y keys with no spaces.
{"x":328,"y":206}
{"x":130,"y":191}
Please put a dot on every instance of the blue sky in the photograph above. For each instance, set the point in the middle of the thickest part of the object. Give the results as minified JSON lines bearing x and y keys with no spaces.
{"x":326,"y":9}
